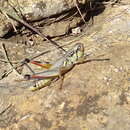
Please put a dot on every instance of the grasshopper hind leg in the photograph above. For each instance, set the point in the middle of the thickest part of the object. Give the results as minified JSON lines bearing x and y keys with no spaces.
{"x":40,"y":84}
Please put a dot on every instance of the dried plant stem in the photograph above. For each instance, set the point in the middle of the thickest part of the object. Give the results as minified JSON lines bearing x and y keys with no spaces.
{"x":9,"y":106}
{"x":7,"y":58}
{"x":76,"y":4}
{"x":10,"y":21}
{"x":16,"y":18}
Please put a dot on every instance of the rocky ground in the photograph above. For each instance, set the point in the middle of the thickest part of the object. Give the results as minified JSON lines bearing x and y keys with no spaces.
{"x":95,"y":95}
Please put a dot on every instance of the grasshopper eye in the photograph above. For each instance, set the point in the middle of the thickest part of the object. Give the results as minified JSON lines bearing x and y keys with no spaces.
{"x":79,"y":47}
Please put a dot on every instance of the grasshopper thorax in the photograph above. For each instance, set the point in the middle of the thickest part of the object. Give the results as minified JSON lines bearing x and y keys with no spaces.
{"x":74,"y":55}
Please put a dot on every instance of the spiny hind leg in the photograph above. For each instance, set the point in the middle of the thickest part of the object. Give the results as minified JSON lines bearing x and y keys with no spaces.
{"x":40,"y":84}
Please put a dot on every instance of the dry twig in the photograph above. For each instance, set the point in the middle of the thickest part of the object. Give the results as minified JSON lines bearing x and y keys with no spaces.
{"x":16,"y":18}
{"x":9,"y":106}
{"x":10,"y":21}
{"x":7,"y":58}
{"x":76,"y":3}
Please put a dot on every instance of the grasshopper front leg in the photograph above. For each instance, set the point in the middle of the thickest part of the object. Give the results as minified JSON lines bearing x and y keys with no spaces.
{"x":62,"y":72}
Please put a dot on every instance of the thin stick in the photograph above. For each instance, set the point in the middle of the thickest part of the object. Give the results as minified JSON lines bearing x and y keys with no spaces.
{"x":76,"y":3}
{"x":9,"y":106}
{"x":7,"y":58}
{"x":10,"y":21}
{"x":32,"y":28}
{"x":5,"y":74}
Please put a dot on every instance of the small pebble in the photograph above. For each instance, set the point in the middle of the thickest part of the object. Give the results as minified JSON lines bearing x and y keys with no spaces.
{"x":76,"y":30}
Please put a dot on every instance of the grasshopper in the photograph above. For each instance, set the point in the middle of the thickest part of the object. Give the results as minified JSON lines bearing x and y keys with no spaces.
{"x":58,"y":68}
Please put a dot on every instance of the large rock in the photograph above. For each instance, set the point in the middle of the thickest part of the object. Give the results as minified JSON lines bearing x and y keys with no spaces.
{"x":32,"y":10}
{"x":39,"y":9}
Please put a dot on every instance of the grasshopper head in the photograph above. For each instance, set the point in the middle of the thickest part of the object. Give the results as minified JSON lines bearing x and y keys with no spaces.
{"x":76,"y":54}
{"x":79,"y":50}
